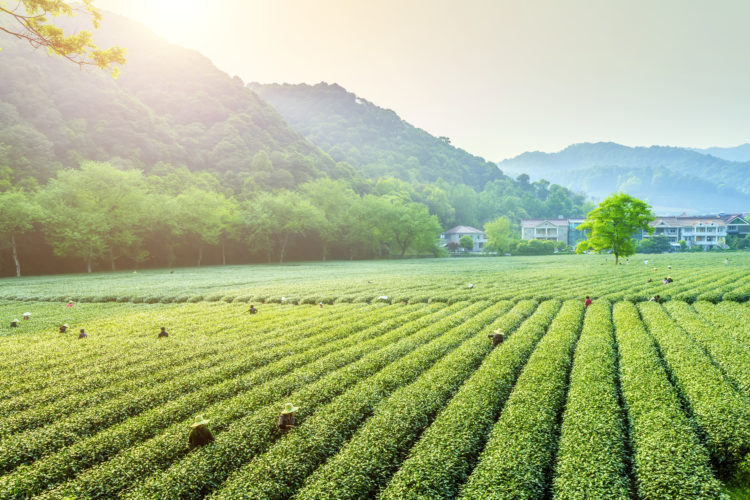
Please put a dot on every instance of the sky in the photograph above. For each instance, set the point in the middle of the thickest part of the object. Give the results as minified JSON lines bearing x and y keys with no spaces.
{"x":497,"y":77}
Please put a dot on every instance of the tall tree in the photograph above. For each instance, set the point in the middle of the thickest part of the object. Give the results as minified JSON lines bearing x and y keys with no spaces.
{"x":96,"y":212}
{"x":335,"y":199}
{"x":408,"y":226}
{"x":18,"y":213}
{"x":281,"y":217}
{"x":613,"y":224}
{"x":200,"y":217}
{"x":34,"y":26}
{"x":497,"y":233}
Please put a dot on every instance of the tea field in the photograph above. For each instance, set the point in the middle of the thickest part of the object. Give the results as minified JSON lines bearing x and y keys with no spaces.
{"x":400,"y":392}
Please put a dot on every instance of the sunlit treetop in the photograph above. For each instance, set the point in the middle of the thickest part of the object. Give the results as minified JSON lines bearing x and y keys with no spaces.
{"x":33,"y":25}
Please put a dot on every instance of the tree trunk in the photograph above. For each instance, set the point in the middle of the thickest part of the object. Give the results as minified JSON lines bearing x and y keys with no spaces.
{"x":15,"y":255}
{"x":283,"y":248}
{"x":325,"y":252}
{"x":112,"y":260}
{"x":223,"y":254}
{"x":200,"y":254}
{"x":616,"y":259}
{"x":170,"y":257}
{"x":88,"y":264}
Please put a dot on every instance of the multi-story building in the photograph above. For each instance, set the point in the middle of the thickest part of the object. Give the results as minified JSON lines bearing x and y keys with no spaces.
{"x":706,"y":231}
{"x":737,"y":225}
{"x":560,"y":229}
{"x":454,"y":234}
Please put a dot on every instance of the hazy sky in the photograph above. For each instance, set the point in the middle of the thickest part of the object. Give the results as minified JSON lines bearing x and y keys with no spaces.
{"x":497,"y":77}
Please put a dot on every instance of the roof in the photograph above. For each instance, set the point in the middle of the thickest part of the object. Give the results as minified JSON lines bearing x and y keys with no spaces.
{"x":682,"y":221}
{"x":464,"y":230}
{"x":733,"y":219}
{"x":536,"y":222}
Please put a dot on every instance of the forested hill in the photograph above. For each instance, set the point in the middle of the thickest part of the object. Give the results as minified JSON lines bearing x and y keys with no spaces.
{"x":376,"y":141}
{"x":169,"y":105}
{"x":190,"y":166}
{"x":671,"y":179}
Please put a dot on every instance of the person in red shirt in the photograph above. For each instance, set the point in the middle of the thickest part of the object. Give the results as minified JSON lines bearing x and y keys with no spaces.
{"x":587,"y":302}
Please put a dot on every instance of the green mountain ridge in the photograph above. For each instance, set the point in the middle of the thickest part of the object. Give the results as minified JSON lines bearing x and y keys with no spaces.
{"x":169,"y":104}
{"x":373,"y":139}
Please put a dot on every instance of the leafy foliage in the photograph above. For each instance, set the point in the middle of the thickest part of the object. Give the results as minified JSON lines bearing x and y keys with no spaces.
{"x":35,"y":27}
{"x":444,"y":455}
{"x":613,"y":223}
{"x":668,"y":457}
{"x":591,"y":458}
{"x":520,"y":449}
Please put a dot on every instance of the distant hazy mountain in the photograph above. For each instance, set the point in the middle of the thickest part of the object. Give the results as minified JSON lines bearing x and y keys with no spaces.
{"x":739,"y":153}
{"x":376,"y":141}
{"x":671,"y":179}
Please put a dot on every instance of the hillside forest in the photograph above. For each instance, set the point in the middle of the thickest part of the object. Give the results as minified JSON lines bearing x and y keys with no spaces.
{"x":177,"y":163}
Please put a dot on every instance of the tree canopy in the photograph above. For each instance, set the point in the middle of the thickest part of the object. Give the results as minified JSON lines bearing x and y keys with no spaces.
{"x":612,"y":225}
{"x":497,"y":233}
{"x":32,"y":24}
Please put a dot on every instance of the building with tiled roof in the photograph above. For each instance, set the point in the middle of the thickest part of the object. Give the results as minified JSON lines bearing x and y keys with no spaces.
{"x":705,"y":231}
{"x":559,"y":229}
{"x":454,"y":234}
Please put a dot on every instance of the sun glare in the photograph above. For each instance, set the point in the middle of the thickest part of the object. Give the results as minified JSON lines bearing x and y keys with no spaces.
{"x":176,"y":20}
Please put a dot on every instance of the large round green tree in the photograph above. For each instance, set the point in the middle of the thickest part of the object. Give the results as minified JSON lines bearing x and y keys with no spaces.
{"x":612,"y":225}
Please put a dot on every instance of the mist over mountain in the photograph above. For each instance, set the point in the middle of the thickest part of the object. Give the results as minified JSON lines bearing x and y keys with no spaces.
{"x":672,"y":180}
{"x":169,"y":104}
{"x":739,"y":153}
{"x":376,"y":141}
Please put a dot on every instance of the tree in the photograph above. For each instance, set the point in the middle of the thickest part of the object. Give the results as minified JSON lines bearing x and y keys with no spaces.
{"x":278,"y":218}
{"x":17,"y":216}
{"x":655,"y":244}
{"x":497,"y":233}
{"x":535,"y":247}
{"x":466,"y":203}
{"x":437,"y":202}
{"x":410,"y":226}
{"x":200,"y":216}
{"x":335,"y":199}
{"x":466,"y":242}
{"x":738,"y":242}
{"x":95,"y":212}
{"x":34,"y":26}
{"x":613,"y":223}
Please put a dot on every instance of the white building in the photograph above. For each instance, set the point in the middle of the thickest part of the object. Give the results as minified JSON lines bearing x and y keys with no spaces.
{"x":454,"y":234}
{"x":705,"y":231}
{"x":564,"y":230}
